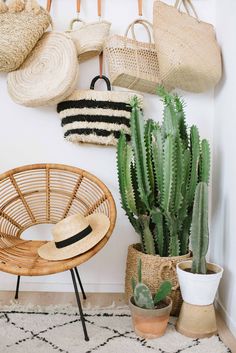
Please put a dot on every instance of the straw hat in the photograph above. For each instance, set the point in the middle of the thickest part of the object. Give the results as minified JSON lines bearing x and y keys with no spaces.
{"x":75,"y":235}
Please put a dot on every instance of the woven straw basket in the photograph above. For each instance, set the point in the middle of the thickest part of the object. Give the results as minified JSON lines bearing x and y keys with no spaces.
{"x":89,"y":38}
{"x":188,"y":53}
{"x":48,"y":75}
{"x":133,"y":64}
{"x":155,"y":269}
{"x":22,"y":25}
{"x":97,"y":117}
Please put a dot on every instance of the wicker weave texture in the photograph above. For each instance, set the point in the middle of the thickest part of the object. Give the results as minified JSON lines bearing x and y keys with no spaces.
{"x":189,"y":55}
{"x":40,"y":194}
{"x":19,"y":33}
{"x":132,"y":64}
{"x":48,"y":75}
{"x":155,"y":269}
{"x":89,"y":38}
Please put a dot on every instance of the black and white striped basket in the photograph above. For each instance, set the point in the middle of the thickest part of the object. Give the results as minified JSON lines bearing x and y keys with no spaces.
{"x":96,"y":116}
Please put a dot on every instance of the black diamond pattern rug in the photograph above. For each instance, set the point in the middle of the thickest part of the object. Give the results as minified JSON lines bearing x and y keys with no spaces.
{"x":55,"y":329}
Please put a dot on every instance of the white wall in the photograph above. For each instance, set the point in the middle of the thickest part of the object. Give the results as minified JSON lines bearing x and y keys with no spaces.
{"x":34,"y":135}
{"x":224,"y":168}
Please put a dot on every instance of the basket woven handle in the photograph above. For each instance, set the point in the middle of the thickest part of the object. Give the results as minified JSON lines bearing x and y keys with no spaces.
{"x":146,"y":24}
{"x":71,"y":25}
{"x":187,"y":5}
{"x":106,"y":79}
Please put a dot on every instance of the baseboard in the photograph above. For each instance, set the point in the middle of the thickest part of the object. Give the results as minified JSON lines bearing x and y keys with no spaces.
{"x":28,"y":286}
{"x":226,"y":316}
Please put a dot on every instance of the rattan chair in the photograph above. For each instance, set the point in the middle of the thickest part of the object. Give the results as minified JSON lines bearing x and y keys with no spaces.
{"x":47,"y":193}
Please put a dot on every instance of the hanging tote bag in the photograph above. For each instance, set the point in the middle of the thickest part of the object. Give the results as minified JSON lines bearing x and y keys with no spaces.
{"x":22,"y":24}
{"x":89,"y":38}
{"x":188,"y":54}
{"x":96,"y":117}
{"x":48,"y":75}
{"x":133,"y":64}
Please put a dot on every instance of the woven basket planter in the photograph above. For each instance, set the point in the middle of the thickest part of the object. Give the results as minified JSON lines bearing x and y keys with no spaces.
{"x":20,"y":29}
{"x":155,"y":269}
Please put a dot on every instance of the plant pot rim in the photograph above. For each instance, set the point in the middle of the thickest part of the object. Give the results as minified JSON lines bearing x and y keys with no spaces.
{"x":143,"y":310}
{"x":136,"y":246}
{"x":188,"y":263}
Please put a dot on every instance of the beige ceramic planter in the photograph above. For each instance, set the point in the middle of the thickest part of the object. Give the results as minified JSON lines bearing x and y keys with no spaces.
{"x":150,"y":323}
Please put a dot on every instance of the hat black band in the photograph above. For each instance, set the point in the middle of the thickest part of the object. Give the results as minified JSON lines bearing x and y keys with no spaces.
{"x":74,"y":238}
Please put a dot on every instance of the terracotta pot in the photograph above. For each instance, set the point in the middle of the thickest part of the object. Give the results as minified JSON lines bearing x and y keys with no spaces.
{"x":150,"y":323}
{"x":155,"y":269}
{"x":198,"y":289}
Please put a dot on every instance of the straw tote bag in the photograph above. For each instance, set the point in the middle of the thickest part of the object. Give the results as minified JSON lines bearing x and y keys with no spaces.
{"x":22,"y":24}
{"x":188,"y":54}
{"x":133,"y":64}
{"x":89,"y":38}
{"x":48,"y":75}
{"x":96,"y":117}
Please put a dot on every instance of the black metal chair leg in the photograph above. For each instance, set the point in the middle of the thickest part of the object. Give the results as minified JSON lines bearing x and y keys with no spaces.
{"x":80,"y":283}
{"x":17,"y":287}
{"x":79,"y":305}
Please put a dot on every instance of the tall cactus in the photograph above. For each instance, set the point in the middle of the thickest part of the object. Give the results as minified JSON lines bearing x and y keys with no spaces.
{"x":158,"y":173}
{"x":199,"y":229}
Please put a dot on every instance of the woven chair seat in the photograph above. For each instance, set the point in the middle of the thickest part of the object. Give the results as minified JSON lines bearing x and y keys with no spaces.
{"x":41,"y":194}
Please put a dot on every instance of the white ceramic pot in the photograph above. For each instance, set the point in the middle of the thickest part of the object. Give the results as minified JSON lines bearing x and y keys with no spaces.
{"x":198,"y":289}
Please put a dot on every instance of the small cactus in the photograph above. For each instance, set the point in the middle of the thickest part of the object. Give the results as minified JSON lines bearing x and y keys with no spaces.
{"x":143,"y":297}
{"x":199,"y":229}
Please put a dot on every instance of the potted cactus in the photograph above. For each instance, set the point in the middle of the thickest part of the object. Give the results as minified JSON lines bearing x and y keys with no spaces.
{"x":150,"y":313}
{"x":158,"y":173}
{"x":198,"y":279}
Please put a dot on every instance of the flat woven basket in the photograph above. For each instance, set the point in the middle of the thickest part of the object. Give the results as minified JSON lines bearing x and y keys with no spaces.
{"x":188,"y":53}
{"x":133,"y":64}
{"x":22,"y":24}
{"x":96,"y":117}
{"x":89,"y":38}
{"x":48,"y":75}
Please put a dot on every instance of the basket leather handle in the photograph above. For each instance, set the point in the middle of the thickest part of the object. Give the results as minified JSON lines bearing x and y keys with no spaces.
{"x":49,"y":4}
{"x":99,"y":8}
{"x":106,"y":79}
{"x":78,"y":6}
{"x":140,"y":7}
{"x":187,"y":5}
{"x":146,"y":24}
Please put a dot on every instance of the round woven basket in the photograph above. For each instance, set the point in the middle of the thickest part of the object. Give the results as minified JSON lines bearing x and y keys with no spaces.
{"x":155,"y":269}
{"x":89,"y":38}
{"x":48,"y":75}
{"x":19,"y":32}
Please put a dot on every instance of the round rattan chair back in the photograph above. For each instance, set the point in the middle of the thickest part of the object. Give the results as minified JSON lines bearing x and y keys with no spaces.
{"x":46,"y":193}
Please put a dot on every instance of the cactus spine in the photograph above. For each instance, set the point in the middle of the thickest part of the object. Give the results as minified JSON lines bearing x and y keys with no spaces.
{"x":143,"y":297}
{"x":199,"y":229}
{"x":158,"y":174}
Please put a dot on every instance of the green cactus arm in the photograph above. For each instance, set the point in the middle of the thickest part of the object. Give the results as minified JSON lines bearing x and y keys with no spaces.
{"x":147,"y":235}
{"x":163,"y":292}
{"x":121,"y":166}
{"x":139,"y":150}
{"x":157,"y":158}
{"x":199,"y":229}
{"x":195,"y":154}
{"x":133,"y":284}
{"x":148,"y":129}
{"x":174,"y":243}
{"x":178,"y":197}
{"x":170,"y":123}
{"x":180,"y":115}
{"x":205,"y":162}
{"x":185,"y":233}
{"x":168,"y":173}
{"x":140,"y":270}
{"x":158,"y":232}
{"x":130,"y":197}
{"x":143,"y":296}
